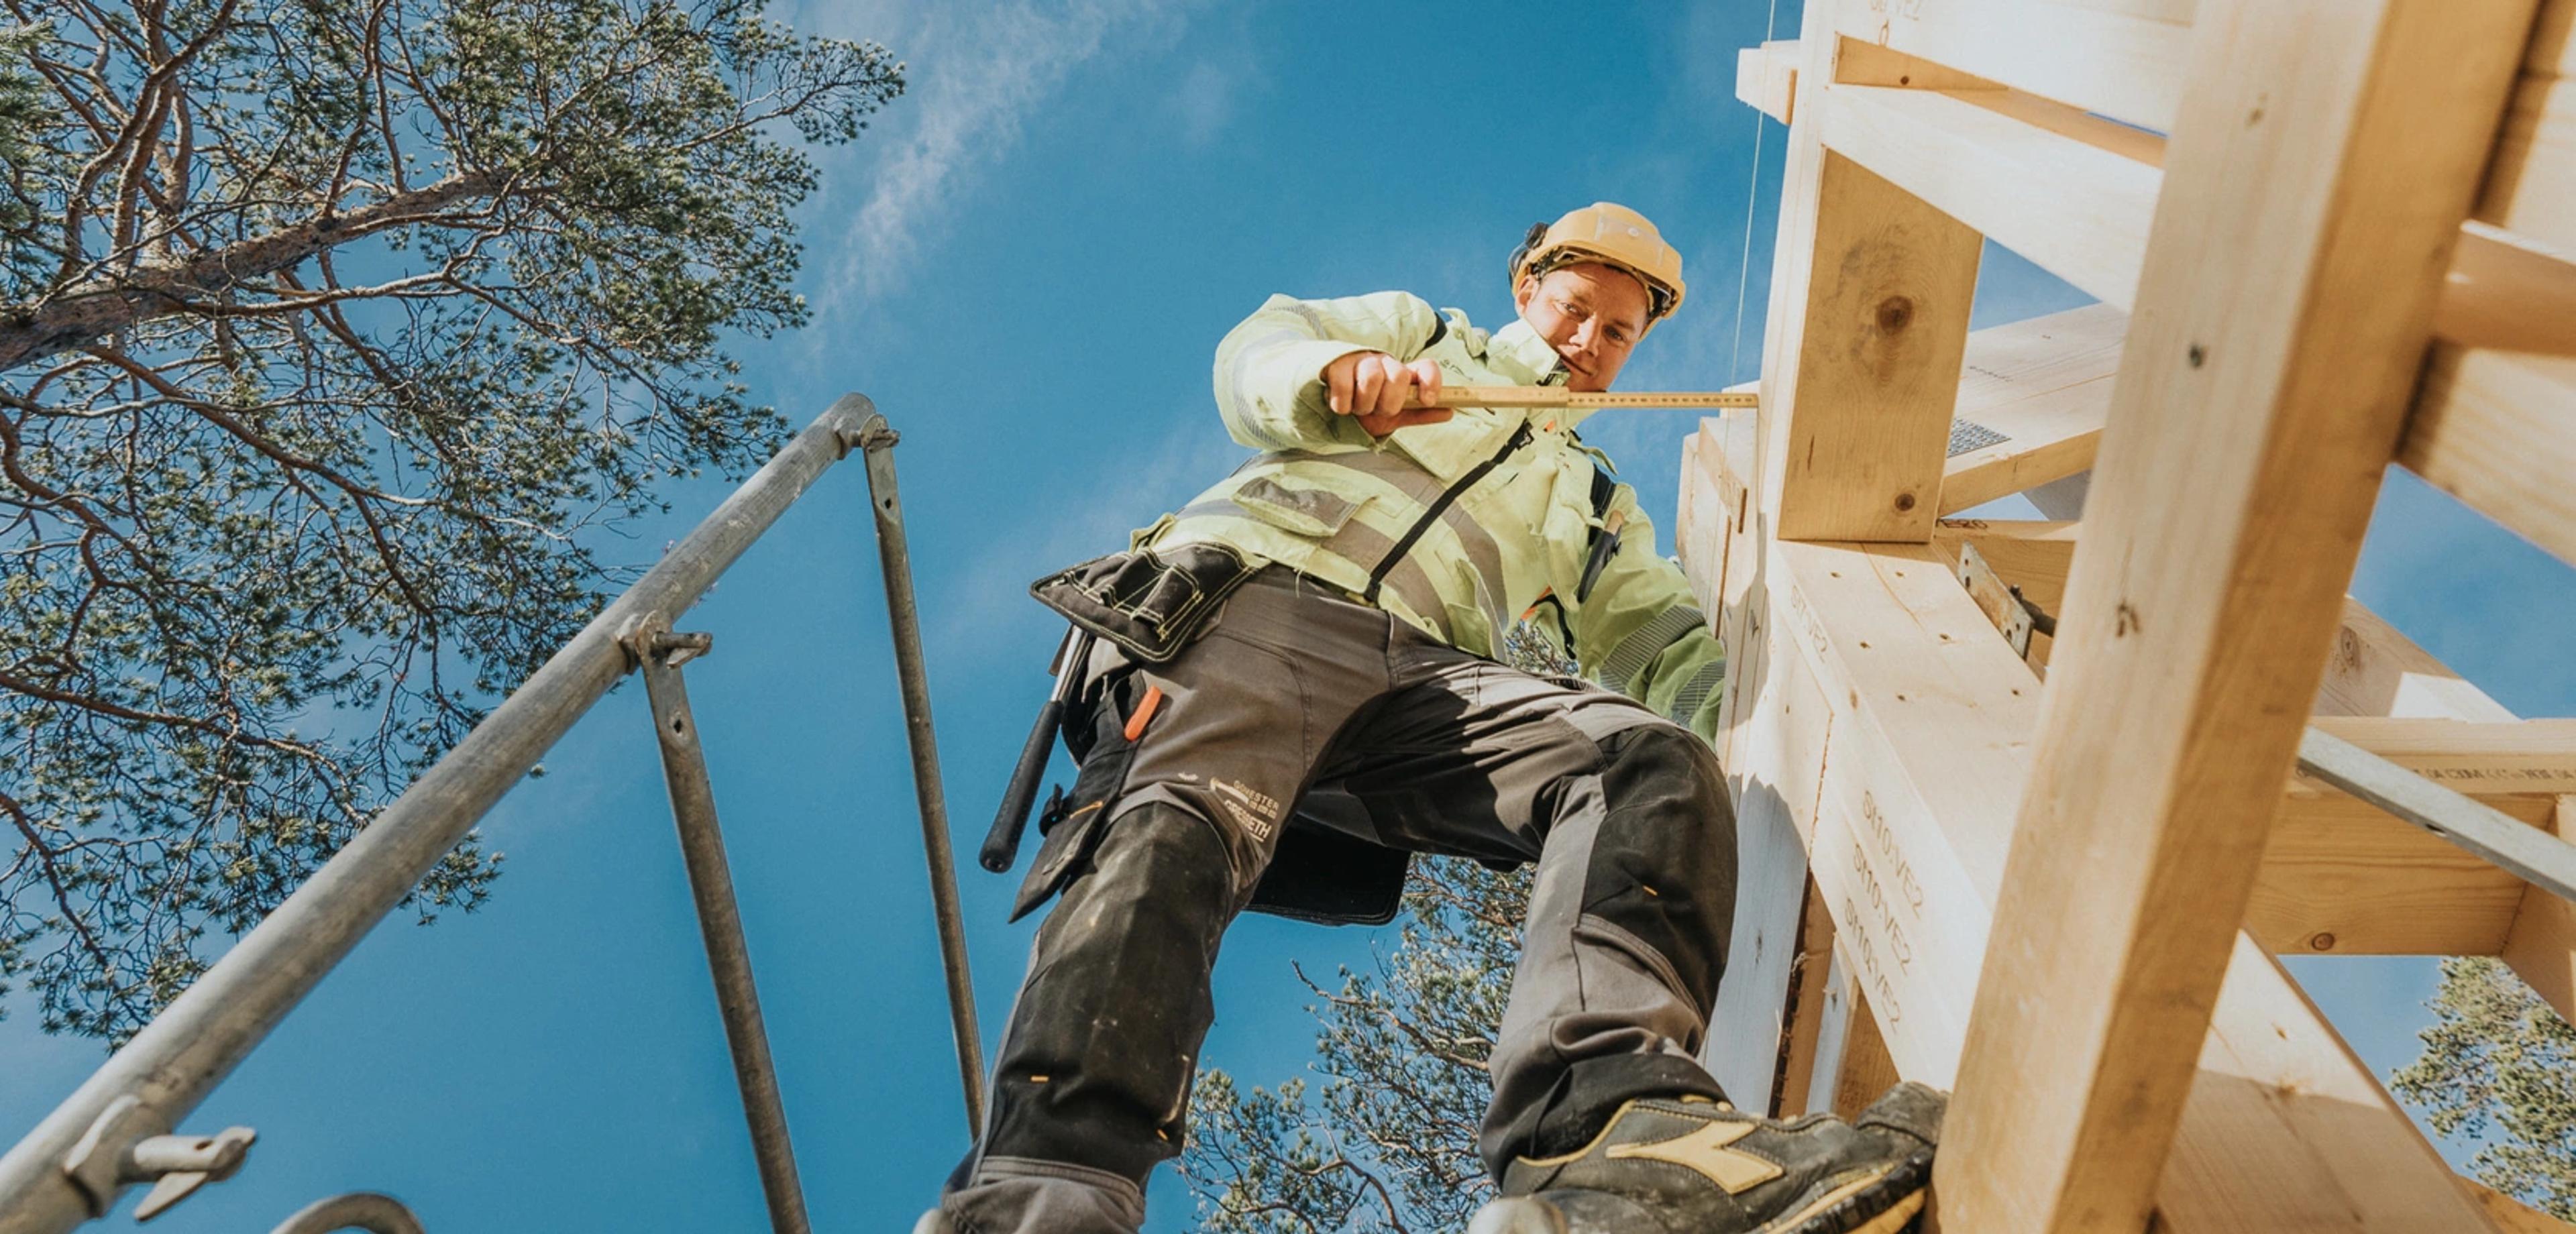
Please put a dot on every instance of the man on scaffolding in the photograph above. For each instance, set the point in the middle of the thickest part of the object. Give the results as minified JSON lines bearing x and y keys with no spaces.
{"x":1295,"y":687}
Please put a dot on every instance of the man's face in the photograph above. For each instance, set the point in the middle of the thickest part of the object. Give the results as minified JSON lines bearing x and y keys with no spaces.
{"x":1591,"y":314}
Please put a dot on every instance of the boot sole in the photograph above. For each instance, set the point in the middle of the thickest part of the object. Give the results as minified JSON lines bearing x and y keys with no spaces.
{"x":1884,"y":1203}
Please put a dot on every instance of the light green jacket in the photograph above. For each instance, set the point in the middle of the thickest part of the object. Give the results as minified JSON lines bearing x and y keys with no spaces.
{"x":1513,"y":490}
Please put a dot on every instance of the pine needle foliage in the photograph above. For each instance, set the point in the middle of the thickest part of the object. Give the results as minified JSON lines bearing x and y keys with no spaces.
{"x":2499,"y":1065}
{"x":332,"y":332}
{"x":1380,"y":1138}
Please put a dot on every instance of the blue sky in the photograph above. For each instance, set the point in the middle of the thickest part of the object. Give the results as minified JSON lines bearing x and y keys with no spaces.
{"x":1027,"y":263}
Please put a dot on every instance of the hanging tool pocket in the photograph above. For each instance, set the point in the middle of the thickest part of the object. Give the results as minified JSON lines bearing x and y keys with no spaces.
{"x":1150,"y":602}
{"x":1073,"y":822}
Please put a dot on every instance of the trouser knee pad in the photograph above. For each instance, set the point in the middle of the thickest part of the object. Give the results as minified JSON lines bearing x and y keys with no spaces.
{"x":1096,"y":1066}
{"x":1663,"y":865}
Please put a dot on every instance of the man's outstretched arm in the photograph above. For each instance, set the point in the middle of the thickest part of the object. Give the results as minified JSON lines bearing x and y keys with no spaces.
{"x":1271,"y":370}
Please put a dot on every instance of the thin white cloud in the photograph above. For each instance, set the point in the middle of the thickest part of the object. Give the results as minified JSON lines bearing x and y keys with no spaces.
{"x":976,"y":76}
{"x":1205,"y":101}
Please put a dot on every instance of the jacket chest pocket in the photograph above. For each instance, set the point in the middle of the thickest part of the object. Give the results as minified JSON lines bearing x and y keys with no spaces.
{"x":1305,"y":509}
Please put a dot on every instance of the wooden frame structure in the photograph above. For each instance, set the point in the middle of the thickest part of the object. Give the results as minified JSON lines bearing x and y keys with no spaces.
{"x":2326,"y":236}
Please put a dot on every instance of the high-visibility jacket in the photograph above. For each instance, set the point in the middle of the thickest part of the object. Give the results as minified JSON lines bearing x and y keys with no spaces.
{"x":1459,"y":528}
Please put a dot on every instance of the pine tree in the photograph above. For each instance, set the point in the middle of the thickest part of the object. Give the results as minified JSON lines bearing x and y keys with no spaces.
{"x":2499,"y":1065}
{"x":329,"y":330}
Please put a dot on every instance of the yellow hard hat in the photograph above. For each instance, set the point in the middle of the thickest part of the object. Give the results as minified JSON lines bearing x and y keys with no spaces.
{"x":1613,"y":235}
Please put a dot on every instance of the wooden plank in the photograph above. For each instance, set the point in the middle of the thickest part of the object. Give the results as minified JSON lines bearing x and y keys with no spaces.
{"x":1867,"y":1069}
{"x":1935,"y":729}
{"x":1766,"y":78}
{"x":2123,"y":60}
{"x":1869,"y":318}
{"x":2485,"y":761}
{"x":1726,"y":464}
{"x":2342,"y":877}
{"x":1833,"y":1030}
{"x":2507,"y":292}
{"x":2044,"y":385}
{"x":2076,"y":194}
{"x":2533,"y":176}
{"x":1863,"y":422}
{"x":2282,"y":310}
{"x":1931,"y":720}
{"x":2285,"y":1129}
{"x":1699,"y":519}
{"x":1810,"y":1007}
{"x":2541,"y":946}
{"x":2375,"y":671}
{"x":2079,"y":211}
{"x":2510,"y":1215}
{"x":1787,"y":735}
{"x":2498,"y":431}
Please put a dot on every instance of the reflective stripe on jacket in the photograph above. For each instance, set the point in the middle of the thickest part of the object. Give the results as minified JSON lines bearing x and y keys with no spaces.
{"x":1458,"y":528}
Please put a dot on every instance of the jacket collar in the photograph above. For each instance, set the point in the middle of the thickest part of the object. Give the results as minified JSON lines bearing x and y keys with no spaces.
{"x":1519,"y":353}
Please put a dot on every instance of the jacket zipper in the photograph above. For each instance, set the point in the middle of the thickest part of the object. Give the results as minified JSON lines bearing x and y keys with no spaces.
{"x":1431,"y":514}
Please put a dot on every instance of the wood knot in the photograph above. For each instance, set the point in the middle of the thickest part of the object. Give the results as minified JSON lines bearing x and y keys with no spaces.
{"x":1904,"y":502}
{"x":1895,"y":313}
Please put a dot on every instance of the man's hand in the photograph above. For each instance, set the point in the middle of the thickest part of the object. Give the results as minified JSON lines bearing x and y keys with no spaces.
{"x":1375,"y":387}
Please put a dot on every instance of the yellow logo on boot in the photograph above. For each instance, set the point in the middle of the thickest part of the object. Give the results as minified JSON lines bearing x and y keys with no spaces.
{"x":1706,"y":1151}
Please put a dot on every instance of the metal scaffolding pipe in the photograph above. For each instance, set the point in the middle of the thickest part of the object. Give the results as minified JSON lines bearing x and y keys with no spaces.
{"x":896,"y":556}
{"x":693,"y":809}
{"x":193,"y":1044}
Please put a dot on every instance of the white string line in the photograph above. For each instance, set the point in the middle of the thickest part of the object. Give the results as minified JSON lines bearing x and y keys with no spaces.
{"x":1752,"y":191}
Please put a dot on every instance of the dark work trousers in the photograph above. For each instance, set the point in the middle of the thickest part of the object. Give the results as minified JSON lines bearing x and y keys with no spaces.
{"x":1298,"y":701}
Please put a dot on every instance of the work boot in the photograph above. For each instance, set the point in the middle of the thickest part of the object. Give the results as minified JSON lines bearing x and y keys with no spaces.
{"x":1696,"y":1166}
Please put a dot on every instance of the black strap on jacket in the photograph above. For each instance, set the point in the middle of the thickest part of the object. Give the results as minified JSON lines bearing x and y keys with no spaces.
{"x":1439,"y":505}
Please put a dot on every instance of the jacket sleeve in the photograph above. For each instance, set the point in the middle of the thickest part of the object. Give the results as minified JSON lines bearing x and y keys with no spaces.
{"x":1641,"y":632}
{"x":1269,"y":370}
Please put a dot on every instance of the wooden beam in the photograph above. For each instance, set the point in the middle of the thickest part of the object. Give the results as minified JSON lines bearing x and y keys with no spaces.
{"x":2512,"y":1216}
{"x":1928,"y":751}
{"x":2508,"y":292}
{"x":1870,"y":298}
{"x":2375,"y":671}
{"x":1865,"y":1068}
{"x":1805,"y":1048}
{"x":1766,"y":78}
{"x":2341,"y":876}
{"x":2331,"y":1151}
{"x":2284,"y":304}
{"x":1785,"y":729}
{"x":2080,"y":211}
{"x":2533,"y":176}
{"x":2485,"y":761}
{"x":2124,"y":61}
{"x":2541,"y":946}
{"x":2076,"y":194}
{"x":2043,"y":386}
{"x":2497,"y":430}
